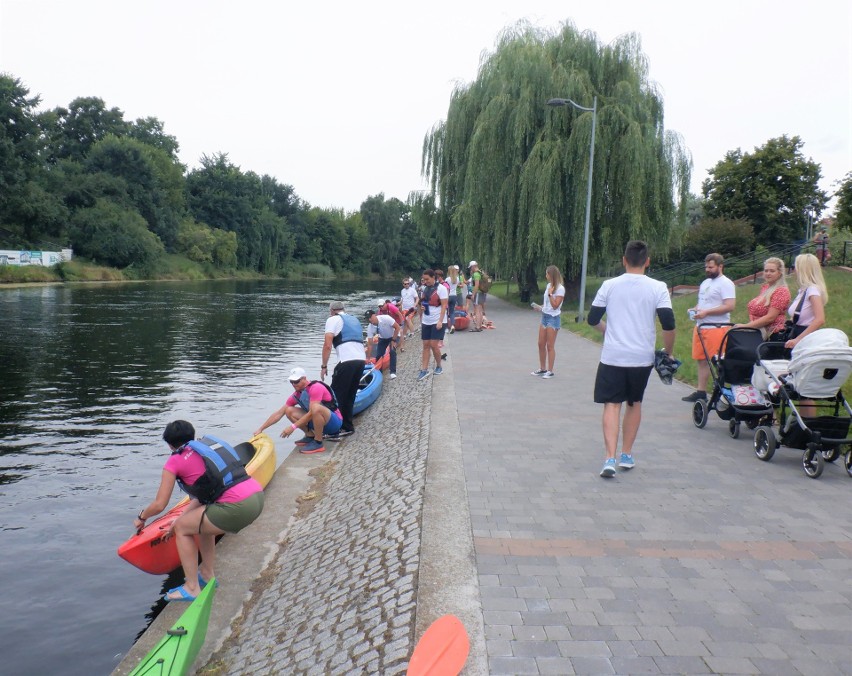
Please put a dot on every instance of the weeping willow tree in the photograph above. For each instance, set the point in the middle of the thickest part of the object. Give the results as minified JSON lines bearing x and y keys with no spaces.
{"x":508,"y":175}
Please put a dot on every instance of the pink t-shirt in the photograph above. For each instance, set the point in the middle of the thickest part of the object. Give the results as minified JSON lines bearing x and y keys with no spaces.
{"x":779,"y":299}
{"x":316,"y":392}
{"x":188,"y":466}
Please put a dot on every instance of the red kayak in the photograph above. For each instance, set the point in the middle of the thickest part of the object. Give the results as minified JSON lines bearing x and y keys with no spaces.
{"x":151,"y":551}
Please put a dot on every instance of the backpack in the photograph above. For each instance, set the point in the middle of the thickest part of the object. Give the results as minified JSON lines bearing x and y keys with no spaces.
{"x":484,"y":281}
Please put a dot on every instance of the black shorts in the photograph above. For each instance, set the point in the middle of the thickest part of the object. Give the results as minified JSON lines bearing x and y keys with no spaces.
{"x":617,"y":384}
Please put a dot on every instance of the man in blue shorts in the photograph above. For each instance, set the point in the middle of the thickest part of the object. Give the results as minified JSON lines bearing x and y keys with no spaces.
{"x":631,"y":303}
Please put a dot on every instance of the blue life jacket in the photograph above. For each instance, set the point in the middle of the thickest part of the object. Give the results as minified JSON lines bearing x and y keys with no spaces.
{"x":351,"y":331}
{"x":304,"y":399}
{"x":223,"y":469}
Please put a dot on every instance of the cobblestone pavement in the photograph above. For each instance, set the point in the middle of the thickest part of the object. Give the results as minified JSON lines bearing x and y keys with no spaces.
{"x":702,"y":559}
{"x":340,"y":597}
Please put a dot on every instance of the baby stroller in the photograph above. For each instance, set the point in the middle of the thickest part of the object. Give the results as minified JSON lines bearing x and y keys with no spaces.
{"x":820,"y":365}
{"x":734,"y":398}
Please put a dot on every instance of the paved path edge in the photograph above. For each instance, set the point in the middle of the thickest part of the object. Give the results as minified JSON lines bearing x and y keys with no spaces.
{"x":448,"y":582}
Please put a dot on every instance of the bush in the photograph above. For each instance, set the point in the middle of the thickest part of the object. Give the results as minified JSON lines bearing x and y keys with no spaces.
{"x":727,"y":236}
{"x":108,"y":233}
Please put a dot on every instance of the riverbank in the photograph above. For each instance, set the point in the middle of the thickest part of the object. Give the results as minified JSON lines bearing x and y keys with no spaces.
{"x":352,"y":557}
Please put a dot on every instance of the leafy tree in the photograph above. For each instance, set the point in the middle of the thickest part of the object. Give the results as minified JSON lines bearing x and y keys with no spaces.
{"x":150,"y":131}
{"x":727,"y":236}
{"x":773,"y":188}
{"x":110,"y":234}
{"x":204,"y":244}
{"x":27,"y":209}
{"x":843,"y":217}
{"x":510,"y":174}
{"x":71,"y":132}
{"x":153,"y":180}
{"x":384,"y":219}
{"x":221,"y":195}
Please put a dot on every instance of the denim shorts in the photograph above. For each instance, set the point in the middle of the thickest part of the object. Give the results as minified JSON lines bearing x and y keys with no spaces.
{"x":551,"y":322}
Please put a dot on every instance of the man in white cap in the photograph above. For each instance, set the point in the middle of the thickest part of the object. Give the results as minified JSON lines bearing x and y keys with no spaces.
{"x":343,"y":332}
{"x":311,"y":407}
{"x":478,"y":296}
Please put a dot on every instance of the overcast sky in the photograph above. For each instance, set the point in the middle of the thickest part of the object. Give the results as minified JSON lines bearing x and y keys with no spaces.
{"x":334,"y":98}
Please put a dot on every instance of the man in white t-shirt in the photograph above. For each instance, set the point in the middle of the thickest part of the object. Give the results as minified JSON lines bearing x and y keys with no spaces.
{"x":716,"y":300}
{"x":408,"y":297}
{"x":343,"y":332}
{"x":433,"y":321}
{"x":631,"y":303}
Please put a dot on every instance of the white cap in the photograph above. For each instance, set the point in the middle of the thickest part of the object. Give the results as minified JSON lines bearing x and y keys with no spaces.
{"x":472,"y":263}
{"x":297,"y":374}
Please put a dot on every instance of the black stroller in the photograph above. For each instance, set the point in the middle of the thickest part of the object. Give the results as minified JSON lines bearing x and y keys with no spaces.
{"x":816,"y":372}
{"x":734,"y":398}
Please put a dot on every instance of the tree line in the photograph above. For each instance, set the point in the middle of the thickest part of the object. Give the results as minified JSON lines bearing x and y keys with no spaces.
{"x":114,"y":190}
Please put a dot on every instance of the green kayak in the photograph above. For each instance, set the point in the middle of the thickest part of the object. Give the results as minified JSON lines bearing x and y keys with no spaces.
{"x":177,"y":650}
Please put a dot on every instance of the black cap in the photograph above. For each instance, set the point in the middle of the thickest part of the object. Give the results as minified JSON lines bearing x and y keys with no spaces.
{"x":369,"y":313}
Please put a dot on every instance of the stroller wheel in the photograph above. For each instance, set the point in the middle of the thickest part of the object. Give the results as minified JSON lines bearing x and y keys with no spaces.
{"x":700,"y":411}
{"x":831,"y":454}
{"x":764,"y":443}
{"x":734,"y":429}
{"x":812,"y":462}
{"x":847,"y":461}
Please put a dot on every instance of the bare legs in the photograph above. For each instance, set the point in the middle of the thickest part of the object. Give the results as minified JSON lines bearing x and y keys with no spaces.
{"x":630,"y":427}
{"x":546,"y":348}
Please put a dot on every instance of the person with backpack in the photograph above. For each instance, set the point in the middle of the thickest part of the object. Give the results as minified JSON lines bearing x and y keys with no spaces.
{"x":433,"y":317}
{"x":311,"y":407}
{"x":224,"y":499}
{"x":480,"y":285}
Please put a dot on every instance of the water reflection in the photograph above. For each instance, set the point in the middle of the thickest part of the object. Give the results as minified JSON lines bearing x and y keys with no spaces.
{"x":89,"y":376}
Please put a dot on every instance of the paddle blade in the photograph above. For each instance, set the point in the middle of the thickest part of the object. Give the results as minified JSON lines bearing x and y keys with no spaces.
{"x":442,"y":650}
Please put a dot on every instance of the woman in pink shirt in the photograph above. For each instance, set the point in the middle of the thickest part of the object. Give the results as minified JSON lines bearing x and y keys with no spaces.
{"x":223,"y":501}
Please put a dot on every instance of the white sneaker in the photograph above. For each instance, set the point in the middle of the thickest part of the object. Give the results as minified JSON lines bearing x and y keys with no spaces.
{"x":393,"y":376}
{"x":548,"y":374}
{"x":538,"y":372}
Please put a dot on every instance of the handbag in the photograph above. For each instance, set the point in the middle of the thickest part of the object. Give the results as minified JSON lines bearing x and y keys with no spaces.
{"x":790,"y":324}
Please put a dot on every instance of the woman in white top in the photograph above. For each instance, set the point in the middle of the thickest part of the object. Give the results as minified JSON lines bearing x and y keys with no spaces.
{"x":551,"y":309}
{"x":807,"y":315}
{"x":453,"y":284}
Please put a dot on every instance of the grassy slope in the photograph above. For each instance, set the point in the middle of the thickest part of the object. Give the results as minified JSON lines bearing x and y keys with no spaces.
{"x":838,"y":313}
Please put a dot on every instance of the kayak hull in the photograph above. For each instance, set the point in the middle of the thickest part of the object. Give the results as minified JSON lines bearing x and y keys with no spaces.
{"x":460,"y":320}
{"x":151,"y":551}
{"x":368,"y":390}
{"x":176,"y":651}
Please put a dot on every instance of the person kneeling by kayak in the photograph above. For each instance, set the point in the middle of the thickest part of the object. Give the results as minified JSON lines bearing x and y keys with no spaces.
{"x":224,"y":500}
{"x":311,"y":407}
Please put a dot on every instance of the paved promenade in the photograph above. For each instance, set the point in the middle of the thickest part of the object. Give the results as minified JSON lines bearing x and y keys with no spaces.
{"x":702,"y":559}
{"x":477,"y":493}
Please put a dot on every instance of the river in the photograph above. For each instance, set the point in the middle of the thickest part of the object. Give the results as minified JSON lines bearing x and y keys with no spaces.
{"x":89,"y":376}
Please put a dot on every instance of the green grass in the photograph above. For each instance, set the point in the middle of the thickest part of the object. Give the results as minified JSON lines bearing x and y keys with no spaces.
{"x":838,"y":313}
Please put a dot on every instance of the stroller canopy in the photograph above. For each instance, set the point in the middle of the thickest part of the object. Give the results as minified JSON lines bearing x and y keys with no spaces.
{"x":821,"y":364}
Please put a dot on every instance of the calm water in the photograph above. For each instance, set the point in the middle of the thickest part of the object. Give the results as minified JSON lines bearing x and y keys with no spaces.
{"x":89,"y":376}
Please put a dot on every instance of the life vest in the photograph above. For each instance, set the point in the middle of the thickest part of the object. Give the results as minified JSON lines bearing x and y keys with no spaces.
{"x":430,"y":296}
{"x":351,"y":331}
{"x":304,"y":399}
{"x":223,"y":469}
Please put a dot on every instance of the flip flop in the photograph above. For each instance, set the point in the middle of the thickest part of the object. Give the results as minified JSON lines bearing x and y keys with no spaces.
{"x":184,"y":595}
{"x":203,"y":583}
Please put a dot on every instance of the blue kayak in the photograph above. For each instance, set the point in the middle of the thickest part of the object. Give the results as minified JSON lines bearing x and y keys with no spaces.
{"x":369,"y":389}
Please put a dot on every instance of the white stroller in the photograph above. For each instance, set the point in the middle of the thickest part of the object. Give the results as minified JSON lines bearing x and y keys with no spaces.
{"x":820,"y":366}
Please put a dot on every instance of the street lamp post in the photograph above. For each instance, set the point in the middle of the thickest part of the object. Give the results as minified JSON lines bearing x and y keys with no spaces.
{"x":581,"y":315}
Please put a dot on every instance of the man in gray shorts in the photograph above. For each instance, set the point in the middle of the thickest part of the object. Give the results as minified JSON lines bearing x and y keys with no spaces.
{"x":631,"y":302}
